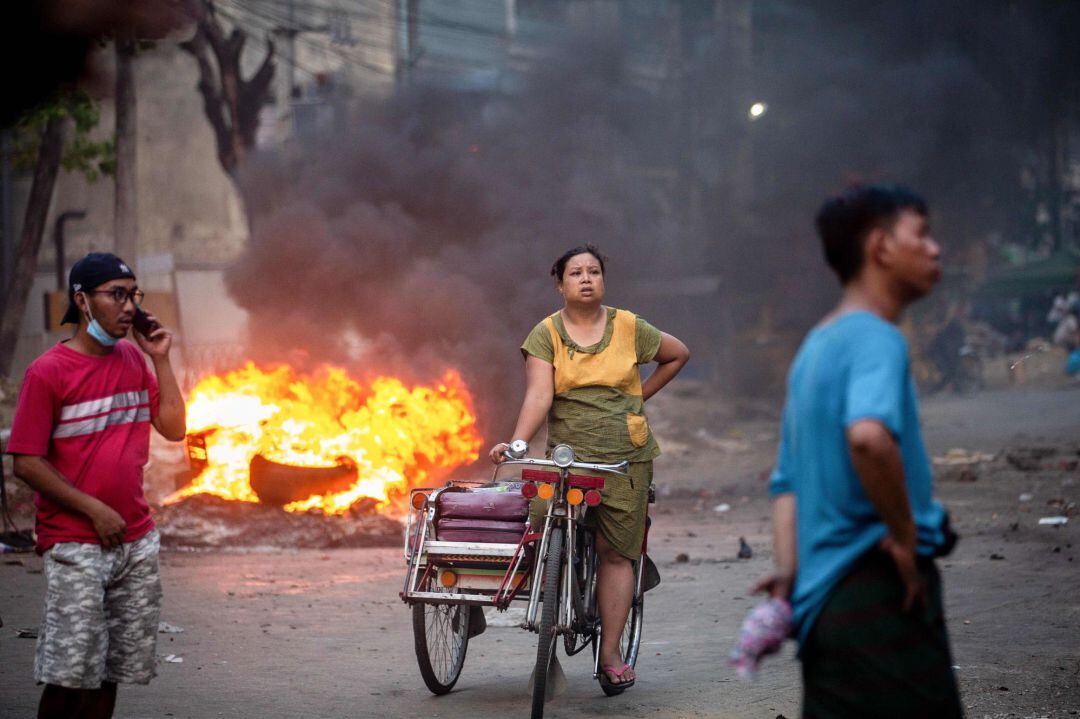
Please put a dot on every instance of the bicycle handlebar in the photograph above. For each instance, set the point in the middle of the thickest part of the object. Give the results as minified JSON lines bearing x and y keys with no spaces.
{"x":619,"y":468}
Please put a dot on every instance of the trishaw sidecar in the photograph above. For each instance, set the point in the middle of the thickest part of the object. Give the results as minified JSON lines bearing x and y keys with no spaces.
{"x":467,"y":547}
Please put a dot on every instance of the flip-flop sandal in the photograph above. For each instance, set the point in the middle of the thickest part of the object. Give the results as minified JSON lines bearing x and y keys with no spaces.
{"x":612,"y":688}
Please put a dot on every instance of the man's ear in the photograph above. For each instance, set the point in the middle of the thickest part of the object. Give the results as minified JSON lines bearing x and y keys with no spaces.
{"x":876,"y":247}
{"x":80,"y":301}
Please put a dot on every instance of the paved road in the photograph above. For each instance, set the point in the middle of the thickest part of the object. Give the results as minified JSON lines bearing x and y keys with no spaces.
{"x":323,"y":634}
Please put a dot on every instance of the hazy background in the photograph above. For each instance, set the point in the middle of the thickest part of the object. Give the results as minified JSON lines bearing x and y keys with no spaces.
{"x":413,"y":168}
{"x":427,"y":221}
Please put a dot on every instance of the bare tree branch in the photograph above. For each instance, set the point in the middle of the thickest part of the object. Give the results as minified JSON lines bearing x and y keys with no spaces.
{"x":253,"y":93}
{"x":199,"y":48}
{"x":231,"y":103}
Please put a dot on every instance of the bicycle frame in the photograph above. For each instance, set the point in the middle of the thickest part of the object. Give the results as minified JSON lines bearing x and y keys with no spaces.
{"x":419,"y":545}
{"x":445,"y":576}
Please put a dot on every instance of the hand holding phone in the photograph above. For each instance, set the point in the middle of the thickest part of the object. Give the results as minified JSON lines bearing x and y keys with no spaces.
{"x":143,"y":324}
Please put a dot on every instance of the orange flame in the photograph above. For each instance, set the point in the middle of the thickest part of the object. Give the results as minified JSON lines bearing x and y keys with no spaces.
{"x":397,"y":437}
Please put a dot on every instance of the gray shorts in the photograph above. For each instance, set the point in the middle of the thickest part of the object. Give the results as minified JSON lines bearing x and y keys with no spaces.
{"x":101,"y":614}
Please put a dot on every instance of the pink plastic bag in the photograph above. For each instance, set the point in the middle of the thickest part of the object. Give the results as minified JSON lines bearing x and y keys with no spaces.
{"x":763,"y":633}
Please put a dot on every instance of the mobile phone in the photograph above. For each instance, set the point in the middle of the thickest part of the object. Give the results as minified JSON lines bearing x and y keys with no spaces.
{"x":143,"y":324}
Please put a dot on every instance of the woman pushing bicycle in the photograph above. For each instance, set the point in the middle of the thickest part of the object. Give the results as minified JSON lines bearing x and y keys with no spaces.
{"x":581,"y":370}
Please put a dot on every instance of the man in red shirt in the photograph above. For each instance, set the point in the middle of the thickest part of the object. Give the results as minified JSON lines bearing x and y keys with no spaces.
{"x":80,"y":439}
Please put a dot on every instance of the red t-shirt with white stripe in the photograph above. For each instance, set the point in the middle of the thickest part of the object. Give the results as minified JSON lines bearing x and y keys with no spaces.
{"x":89,"y":417}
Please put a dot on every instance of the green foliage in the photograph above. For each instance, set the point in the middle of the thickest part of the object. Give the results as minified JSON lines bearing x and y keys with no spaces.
{"x":93,"y":158}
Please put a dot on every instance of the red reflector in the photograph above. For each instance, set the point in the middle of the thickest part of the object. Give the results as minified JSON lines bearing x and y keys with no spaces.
{"x":528,"y":490}
{"x":539,"y":475}
{"x":584,"y":481}
{"x":592,"y":498}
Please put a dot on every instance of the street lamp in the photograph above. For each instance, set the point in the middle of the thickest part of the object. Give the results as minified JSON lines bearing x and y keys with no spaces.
{"x":757,"y":110}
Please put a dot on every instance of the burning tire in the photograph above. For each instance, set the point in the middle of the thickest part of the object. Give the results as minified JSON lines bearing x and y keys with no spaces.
{"x":279,"y":484}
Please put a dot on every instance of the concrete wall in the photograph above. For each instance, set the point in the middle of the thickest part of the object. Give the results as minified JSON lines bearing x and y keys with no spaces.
{"x":187,"y":205}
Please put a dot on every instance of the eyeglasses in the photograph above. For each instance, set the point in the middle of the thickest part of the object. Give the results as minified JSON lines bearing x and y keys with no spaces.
{"x":120,"y":295}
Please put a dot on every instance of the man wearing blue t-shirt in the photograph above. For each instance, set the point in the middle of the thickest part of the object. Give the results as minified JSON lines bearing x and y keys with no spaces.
{"x":855,"y":524}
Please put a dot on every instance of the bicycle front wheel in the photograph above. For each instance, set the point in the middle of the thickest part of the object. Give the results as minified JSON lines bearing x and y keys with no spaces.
{"x":441,"y":637}
{"x":545,"y":648}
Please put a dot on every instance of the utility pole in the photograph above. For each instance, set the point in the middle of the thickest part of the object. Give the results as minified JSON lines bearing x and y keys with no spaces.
{"x":125,"y":214}
{"x":736,"y":190}
{"x":511,"y":17}
{"x":290,"y":50}
{"x":7,"y":210}
{"x":738,"y":25}
{"x":291,"y":30}
{"x":408,"y":41}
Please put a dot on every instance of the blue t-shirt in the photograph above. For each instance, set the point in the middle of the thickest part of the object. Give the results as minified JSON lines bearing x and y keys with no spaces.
{"x":854,"y":368}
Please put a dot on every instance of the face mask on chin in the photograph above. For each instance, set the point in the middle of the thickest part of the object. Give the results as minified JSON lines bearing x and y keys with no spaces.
{"x":95,"y":330}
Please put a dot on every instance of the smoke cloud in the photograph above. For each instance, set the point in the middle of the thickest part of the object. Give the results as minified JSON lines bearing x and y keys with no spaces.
{"x":418,"y":235}
{"x":428,"y":226}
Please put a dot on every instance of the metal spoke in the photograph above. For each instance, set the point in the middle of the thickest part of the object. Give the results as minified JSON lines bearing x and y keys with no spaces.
{"x":444,"y":641}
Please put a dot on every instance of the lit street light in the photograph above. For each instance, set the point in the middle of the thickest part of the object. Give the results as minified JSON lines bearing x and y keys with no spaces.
{"x":757,"y":110}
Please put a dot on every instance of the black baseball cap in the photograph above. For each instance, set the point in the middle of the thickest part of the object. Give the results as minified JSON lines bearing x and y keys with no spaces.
{"x":90,"y":272}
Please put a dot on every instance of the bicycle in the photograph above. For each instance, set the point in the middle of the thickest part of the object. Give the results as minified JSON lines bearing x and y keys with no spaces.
{"x":452,"y":575}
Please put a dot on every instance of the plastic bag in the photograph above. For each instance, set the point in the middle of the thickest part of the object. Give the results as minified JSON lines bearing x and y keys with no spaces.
{"x":763,"y":633}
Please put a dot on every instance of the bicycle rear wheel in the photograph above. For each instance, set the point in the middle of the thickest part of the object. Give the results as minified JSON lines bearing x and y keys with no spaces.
{"x":545,"y":647}
{"x":441,"y":638}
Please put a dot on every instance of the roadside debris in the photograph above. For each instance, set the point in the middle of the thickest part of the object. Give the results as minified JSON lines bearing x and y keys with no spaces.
{"x":204,"y":522}
{"x":745,"y":552}
{"x":1029,"y":459}
{"x":957,"y":457}
{"x":174,"y":659}
{"x":166,"y":628}
{"x":1054,"y":521}
{"x":27,"y":633}
{"x":735,"y":445}
{"x":721,"y":508}
{"x":1065,"y":508}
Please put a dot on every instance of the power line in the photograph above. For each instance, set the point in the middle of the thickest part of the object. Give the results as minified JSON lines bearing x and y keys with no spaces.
{"x":241,"y":22}
{"x":457,"y":58}
{"x":374,"y":15}
{"x":351,"y":57}
{"x":373,"y":40}
{"x":272,"y":16}
{"x":285,"y":23}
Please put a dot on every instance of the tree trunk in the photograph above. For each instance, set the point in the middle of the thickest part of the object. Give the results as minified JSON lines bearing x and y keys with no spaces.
{"x":125,"y":216}
{"x":37,"y":212}
{"x":231,"y":103}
